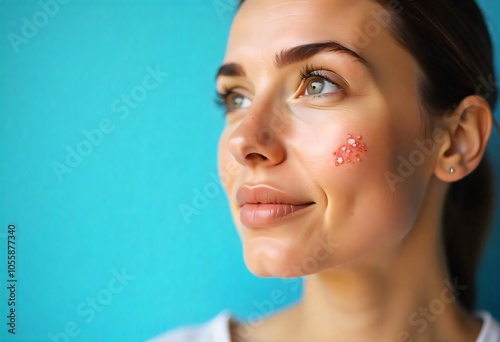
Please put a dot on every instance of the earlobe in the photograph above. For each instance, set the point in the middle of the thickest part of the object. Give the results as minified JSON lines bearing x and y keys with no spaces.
{"x":464,"y":145}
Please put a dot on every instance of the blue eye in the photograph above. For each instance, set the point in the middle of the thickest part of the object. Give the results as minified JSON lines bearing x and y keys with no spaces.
{"x":318,"y":85}
{"x":237,"y":101}
{"x":231,"y":100}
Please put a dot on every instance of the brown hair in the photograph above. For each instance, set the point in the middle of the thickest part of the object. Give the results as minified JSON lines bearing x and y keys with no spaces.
{"x":450,"y":41}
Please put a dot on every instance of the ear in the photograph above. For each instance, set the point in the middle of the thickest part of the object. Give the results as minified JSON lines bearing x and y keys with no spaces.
{"x":468,"y":130}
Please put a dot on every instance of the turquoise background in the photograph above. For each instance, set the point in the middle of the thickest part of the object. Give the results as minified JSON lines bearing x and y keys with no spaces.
{"x":117,"y":209}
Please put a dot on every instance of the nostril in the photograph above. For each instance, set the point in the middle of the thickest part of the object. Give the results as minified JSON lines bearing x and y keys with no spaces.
{"x":255,"y":157}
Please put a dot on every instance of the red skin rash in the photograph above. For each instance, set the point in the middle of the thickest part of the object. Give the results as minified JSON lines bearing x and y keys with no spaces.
{"x":351,"y":151}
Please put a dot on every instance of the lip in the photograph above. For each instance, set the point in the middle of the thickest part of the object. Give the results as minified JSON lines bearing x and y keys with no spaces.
{"x":263,"y":205}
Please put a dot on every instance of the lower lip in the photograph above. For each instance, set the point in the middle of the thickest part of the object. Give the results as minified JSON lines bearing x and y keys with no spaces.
{"x":263,"y":215}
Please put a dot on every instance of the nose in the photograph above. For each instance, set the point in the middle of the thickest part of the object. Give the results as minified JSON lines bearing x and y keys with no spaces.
{"x":258,"y":140}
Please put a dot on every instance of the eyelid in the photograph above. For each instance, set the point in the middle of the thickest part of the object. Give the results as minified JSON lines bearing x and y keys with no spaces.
{"x":230,"y":90}
{"x":223,"y":95}
{"x":310,"y":71}
{"x":306,"y":72}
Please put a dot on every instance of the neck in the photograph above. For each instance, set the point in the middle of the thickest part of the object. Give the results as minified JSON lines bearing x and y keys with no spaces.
{"x":402,"y":294}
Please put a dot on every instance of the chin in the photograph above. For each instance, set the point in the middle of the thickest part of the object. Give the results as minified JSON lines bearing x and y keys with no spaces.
{"x":266,"y":261}
{"x":280,"y":262}
{"x":266,"y":257}
{"x":271,"y":270}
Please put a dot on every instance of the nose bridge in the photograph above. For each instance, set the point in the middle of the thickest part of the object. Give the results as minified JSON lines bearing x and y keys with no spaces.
{"x":257,"y":121}
{"x":258,"y":137}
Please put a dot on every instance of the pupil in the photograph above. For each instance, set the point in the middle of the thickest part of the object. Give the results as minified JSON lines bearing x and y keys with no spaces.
{"x":316,"y":86}
{"x":237,"y":101}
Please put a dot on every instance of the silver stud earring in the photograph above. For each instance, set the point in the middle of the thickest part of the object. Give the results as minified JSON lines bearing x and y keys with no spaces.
{"x":452,"y":170}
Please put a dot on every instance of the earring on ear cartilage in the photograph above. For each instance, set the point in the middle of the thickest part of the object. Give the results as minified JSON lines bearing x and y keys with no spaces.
{"x":452,"y":170}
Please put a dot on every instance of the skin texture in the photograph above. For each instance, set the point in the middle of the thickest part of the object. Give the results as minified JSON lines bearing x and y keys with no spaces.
{"x":369,"y":251}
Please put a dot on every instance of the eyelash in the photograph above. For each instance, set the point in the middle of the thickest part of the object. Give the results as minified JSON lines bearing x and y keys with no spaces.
{"x":305,"y":73}
{"x":311,"y":71}
{"x":221,"y":97}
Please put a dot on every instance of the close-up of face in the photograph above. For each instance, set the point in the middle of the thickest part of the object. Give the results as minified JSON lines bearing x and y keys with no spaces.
{"x":317,"y":117}
{"x":334,"y":178}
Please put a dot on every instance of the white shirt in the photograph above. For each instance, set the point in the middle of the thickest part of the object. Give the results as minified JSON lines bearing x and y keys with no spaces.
{"x":217,"y":330}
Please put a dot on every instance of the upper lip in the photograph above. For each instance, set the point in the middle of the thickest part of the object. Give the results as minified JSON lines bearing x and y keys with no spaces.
{"x":264,"y":193}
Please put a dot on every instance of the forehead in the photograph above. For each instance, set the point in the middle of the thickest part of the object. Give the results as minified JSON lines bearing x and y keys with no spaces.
{"x":272,"y":25}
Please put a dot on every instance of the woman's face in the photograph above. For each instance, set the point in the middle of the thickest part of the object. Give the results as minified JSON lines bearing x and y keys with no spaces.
{"x":323,"y":112}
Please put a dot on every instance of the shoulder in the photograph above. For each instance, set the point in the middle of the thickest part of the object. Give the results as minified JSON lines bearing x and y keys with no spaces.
{"x":215,"y":330}
{"x":490,"y":331}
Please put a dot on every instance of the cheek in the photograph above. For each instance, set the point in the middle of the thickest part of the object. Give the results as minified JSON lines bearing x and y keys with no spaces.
{"x":349,"y":168}
{"x":336,"y":154}
{"x":351,"y":151}
{"x":362,"y":209}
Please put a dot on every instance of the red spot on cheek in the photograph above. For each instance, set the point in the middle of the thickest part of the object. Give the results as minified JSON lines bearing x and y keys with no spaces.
{"x":351,"y":151}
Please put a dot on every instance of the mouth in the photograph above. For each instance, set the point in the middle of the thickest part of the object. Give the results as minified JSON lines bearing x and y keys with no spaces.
{"x":263,"y":205}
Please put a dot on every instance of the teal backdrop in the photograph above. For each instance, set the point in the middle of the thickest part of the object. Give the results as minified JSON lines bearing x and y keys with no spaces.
{"x":108,"y":130}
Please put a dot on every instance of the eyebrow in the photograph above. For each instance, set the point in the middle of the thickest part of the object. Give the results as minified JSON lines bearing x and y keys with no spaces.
{"x":230,"y":69}
{"x":294,"y":55}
